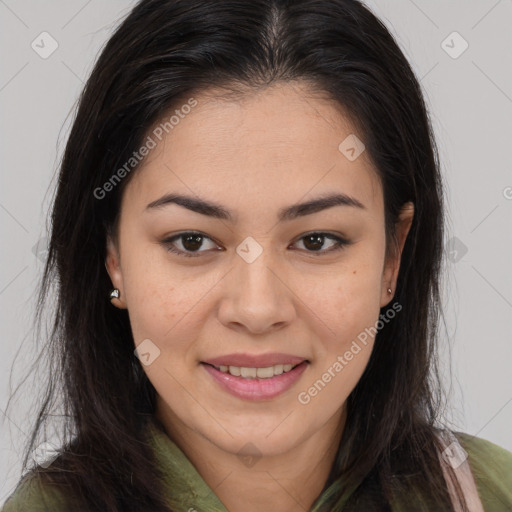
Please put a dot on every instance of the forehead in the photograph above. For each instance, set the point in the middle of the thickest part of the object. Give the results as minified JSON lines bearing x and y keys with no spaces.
{"x":281,"y":141}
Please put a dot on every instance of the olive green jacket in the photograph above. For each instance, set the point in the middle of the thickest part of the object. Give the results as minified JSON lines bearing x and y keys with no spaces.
{"x":187,"y":491}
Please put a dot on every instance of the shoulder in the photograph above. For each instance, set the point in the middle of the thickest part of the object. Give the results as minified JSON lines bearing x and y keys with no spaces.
{"x":32,"y":495}
{"x":491,"y":466}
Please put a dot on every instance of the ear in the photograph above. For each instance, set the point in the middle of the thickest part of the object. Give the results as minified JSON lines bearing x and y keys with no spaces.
{"x":392,"y":265}
{"x":113,"y":266}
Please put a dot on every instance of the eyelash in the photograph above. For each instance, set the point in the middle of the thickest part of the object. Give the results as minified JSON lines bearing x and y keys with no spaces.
{"x":168,"y":243}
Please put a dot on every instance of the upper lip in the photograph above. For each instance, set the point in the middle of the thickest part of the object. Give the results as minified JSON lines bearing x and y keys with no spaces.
{"x":254,"y":361}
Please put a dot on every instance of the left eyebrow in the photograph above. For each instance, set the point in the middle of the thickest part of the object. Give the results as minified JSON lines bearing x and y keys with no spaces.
{"x":317,"y":205}
{"x":285,"y":214}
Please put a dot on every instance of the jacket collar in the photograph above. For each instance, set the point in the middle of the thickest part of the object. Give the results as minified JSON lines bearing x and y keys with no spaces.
{"x":187,"y":491}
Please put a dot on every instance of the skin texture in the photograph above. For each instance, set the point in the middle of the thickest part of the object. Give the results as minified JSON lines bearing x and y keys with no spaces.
{"x":255,"y":155}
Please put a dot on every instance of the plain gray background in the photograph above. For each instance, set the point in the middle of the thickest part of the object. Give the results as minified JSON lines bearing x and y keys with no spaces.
{"x":469,"y":94}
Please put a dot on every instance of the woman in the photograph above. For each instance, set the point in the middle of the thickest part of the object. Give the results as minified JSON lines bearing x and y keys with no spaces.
{"x":246,"y":241}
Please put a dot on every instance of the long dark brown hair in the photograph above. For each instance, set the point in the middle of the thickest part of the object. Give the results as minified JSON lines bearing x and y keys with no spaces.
{"x":167,"y":50}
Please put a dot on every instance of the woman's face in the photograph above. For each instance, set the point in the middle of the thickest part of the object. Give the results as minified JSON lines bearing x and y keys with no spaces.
{"x":262,"y":284}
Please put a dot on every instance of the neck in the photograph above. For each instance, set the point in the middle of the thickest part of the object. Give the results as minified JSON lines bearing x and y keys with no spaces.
{"x":289,"y":482}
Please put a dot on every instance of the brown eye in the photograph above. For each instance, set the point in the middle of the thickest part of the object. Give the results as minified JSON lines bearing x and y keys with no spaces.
{"x":314,"y":242}
{"x":190,"y":243}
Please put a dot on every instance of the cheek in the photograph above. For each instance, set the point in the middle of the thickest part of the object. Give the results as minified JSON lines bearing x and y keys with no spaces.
{"x":156,"y":299}
{"x":167,"y":303}
{"x":359,"y":299}
{"x":352,"y":312}
{"x":349,"y":306}
{"x":346,"y":299}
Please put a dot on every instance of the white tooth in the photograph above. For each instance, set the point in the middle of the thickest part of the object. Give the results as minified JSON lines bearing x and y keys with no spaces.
{"x":278,"y":369}
{"x":253,"y":373}
{"x":265,"y":373}
{"x":248,"y":373}
{"x":234,"y":370}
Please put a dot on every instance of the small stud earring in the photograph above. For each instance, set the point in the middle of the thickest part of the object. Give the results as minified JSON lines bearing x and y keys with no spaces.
{"x":389,"y":290}
{"x":115,"y":294}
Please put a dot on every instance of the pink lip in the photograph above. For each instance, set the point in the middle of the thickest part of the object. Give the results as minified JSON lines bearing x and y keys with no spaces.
{"x":254,"y":361}
{"x":257,"y":389}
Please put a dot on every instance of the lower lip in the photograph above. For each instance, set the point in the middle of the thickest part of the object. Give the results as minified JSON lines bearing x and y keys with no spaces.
{"x":256,"y":389}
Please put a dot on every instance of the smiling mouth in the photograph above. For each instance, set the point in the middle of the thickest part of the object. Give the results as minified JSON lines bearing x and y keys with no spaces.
{"x":255,"y":373}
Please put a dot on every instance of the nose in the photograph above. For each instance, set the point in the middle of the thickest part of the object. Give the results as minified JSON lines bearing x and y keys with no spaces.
{"x":256,"y":296}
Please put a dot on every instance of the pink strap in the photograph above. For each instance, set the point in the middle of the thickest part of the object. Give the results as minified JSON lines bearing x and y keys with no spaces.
{"x":455,"y":456}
